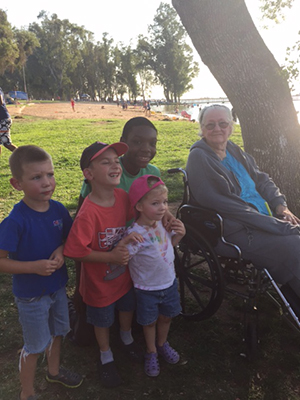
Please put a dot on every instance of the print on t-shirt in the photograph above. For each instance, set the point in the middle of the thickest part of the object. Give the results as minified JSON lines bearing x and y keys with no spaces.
{"x":107,"y":240}
{"x":110,"y":236}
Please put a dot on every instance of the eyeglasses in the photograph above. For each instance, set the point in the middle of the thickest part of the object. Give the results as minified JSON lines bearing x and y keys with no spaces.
{"x":212,"y":125}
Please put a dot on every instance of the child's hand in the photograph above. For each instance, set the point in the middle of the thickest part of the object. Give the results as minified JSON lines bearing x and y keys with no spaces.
{"x":133,"y":237}
{"x":45,"y":267}
{"x":58,"y":256}
{"x":178,"y":227}
{"x":120,"y":255}
{"x":167,"y":221}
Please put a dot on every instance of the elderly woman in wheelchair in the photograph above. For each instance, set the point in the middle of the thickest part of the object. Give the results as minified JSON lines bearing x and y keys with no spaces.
{"x":239,"y":230}
{"x":255,"y":214}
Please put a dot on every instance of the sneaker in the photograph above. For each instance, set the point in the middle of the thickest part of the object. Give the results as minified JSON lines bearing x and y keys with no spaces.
{"x":134,"y":351}
{"x":66,"y":378}
{"x":151,"y":364}
{"x":168,"y":353}
{"x":109,"y":375}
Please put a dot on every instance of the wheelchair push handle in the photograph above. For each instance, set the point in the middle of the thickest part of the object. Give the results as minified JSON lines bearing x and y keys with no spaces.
{"x":176,"y":170}
{"x":186,"y":195}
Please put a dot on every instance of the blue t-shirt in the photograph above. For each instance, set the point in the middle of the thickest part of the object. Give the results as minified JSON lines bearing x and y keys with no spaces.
{"x":29,"y":235}
{"x":248,"y":190}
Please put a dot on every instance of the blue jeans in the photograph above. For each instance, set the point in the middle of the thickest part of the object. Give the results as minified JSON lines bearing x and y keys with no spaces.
{"x":152,"y":303}
{"x":43,"y":318}
{"x":103,"y":317}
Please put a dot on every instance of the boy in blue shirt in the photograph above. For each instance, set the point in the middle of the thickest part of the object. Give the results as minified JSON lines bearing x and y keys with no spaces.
{"x":31,"y":248}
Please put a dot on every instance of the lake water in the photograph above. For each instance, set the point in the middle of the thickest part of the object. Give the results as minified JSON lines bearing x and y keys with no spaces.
{"x":193,"y":107}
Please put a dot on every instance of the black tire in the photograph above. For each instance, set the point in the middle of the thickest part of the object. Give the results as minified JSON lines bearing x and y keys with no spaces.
{"x":200,"y":277}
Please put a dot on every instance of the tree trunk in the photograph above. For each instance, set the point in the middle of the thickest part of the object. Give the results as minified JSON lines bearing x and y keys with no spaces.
{"x":229,"y":44}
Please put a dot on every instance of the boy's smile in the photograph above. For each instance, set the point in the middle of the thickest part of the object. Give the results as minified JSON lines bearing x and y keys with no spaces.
{"x":142,"y":148}
{"x":105,"y":169}
{"x":37,"y":183}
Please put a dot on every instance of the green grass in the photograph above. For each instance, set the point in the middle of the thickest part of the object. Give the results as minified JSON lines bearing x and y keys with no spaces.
{"x":211,"y":367}
{"x":66,"y":139}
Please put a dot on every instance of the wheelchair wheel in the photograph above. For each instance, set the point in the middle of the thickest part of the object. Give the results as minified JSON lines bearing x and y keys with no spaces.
{"x":200,"y":277}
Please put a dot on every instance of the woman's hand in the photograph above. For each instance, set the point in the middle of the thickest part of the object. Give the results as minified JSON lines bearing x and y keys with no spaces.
{"x":287,"y":215}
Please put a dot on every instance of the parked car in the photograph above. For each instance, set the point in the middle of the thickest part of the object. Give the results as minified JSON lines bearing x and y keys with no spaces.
{"x":85,"y":97}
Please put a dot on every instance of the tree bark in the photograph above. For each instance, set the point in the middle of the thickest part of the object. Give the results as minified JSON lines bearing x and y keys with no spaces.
{"x":229,"y":44}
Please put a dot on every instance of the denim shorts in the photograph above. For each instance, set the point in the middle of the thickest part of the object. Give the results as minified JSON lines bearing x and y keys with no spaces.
{"x":43,"y":318}
{"x":103,"y":317}
{"x":152,"y":303}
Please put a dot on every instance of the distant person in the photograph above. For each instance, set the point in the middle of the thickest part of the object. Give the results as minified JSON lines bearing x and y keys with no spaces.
{"x":31,"y":248}
{"x":151,"y":266}
{"x":145,"y":106}
{"x":105,"y":282}
{"x":5,"y":124}
{"x":73,"y":104}
{"x":148,"y":109}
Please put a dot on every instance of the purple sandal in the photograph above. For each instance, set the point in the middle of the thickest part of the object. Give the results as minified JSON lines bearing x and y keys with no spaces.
{"x":151,"y":364}
{"x":168,"y":353}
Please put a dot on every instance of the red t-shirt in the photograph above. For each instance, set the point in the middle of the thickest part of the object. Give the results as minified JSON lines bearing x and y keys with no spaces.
{"x":99,"y":228}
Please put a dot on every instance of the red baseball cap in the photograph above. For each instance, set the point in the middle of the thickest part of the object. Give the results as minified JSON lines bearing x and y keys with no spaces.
{"x":140,"y":187}
{"x":97,"y":148}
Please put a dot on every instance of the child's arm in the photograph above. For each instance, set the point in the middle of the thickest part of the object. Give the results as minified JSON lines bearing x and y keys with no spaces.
{"x":179,"y":229}
{"x":40,"y":267}
{"x":119,"y":255}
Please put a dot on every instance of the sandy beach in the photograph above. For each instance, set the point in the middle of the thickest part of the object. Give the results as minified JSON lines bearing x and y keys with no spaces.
{"x":61,"y":110}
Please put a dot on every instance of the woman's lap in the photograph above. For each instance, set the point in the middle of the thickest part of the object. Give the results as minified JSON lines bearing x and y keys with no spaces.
{"x":279,"y":254}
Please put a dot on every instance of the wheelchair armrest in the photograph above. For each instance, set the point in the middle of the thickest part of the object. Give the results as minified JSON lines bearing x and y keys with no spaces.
{"x":205,"y":221}
{"x":209,"y":224}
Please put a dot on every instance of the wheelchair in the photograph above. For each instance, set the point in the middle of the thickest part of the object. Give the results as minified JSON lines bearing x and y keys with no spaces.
{"x":205,"y":276}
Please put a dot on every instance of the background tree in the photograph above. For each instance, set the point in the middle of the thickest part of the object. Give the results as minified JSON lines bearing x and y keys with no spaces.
{"x":8,"y":47}
{"x":146,"y":76}
{"x":127,"y":69}
{"x":228,"y":42}
{"x":59,"y":54}
{"x":26,"y":43}
{"x":274,"y":10}
{"x":169,"y":56}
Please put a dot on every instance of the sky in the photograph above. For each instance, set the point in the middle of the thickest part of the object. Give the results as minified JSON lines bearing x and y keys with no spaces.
{"x":124,"y":20}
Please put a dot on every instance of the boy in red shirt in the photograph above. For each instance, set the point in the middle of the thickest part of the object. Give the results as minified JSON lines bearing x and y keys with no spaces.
{"x":105,"y":282}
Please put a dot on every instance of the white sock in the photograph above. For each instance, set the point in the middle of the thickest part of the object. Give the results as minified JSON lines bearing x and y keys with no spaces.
{"x":126,"y":337}
{"x":106,"y":356}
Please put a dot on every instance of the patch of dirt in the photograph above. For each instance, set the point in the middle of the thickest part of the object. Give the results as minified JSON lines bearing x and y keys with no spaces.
{"x":90,"y":110}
